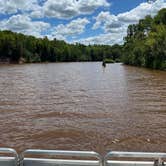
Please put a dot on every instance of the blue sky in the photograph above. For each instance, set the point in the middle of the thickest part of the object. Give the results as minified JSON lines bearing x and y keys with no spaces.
{"x":84,"y":21}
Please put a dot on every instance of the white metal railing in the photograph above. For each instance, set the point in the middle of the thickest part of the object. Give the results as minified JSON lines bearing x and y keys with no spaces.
{"x":8,"y":161}
{"x":158,"y":158}
{"x":49,"y":162}
{"x":154,"y":159}
{"x":135,"y":154}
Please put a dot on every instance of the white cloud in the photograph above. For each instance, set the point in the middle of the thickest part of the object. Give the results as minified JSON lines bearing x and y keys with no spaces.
{"x":141,"y":11}
{"x":62,"y":9}
{"x":73,"y":28}
{"x":12,"y":6}
{"x":37,"y":13}
{"x":88,"y":6}
{"x":23,"y":24}
{"x":106,"y":39}
{"x":107,"y":21}
{"x":115,"y":26}
{"x":52,"y":8}
{"x":69,"y":8}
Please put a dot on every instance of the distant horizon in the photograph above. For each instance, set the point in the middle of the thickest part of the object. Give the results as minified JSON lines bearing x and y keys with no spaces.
{"x":102,"y":22}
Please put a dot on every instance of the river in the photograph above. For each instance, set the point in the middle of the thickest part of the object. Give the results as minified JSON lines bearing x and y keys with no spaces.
{"x":82,"y":106}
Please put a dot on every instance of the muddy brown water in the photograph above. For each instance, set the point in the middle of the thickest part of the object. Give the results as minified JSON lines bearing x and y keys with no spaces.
{"x":82,"y":106}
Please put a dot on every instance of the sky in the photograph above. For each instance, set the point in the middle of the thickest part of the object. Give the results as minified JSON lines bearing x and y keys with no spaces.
{"x":83,"y":21}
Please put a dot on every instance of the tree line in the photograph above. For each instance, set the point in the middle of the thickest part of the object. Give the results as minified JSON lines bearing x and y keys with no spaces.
{"x":145,"y":43}
{"x":17,"y":47}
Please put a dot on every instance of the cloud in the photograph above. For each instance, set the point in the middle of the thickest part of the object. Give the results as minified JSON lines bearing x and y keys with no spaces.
{"x":62,"y":9}
{"x":70,"y":8}
{"x":115,"y":26}
{"x":73,"y":28}
{"x":88,"y":6}
{"x":111,"y":28}
{"x":37,"y":13}
{"x":13,"y":6}
{"x":105,"y":39}
{"x":107,"y":21}
{"x":141,"y":11}
{"x":23,"y":24}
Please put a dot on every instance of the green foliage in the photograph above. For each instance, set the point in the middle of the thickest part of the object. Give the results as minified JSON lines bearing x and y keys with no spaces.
{"x":145,"y":43}
{"x":106,"y":60}
{"x":20,"y":48}
{"x":145,"y":46}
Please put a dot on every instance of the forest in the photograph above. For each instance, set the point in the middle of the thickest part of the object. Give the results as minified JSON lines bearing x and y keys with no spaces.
{"x":19,"y":48}
{"x":144,"y":45}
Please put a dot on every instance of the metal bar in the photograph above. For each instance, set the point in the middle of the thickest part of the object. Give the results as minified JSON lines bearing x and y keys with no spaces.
{"x":35,"y":161}
{"x":10,"y":151}
{"x":135,"y":154}
{"x":132,"y":155}
{"x":62,"y":153}
{"x":129,"y":163}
